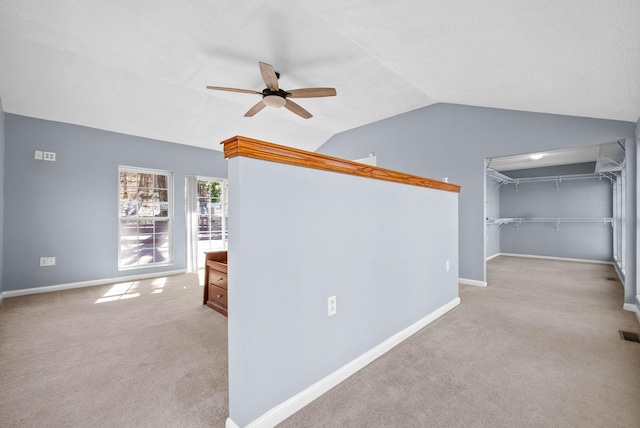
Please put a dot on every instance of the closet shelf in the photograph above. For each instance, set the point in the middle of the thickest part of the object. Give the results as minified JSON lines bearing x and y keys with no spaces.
{"x":499,"y":222}
{"x":500,"y":179}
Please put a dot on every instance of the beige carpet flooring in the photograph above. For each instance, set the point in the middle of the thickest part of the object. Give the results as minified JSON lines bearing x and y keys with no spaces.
{"x":539,"y":347}
{"x":136,"y":354}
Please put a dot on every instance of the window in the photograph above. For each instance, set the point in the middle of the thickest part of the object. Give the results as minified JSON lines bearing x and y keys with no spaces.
{"x":145,"y":216}
{"x":212,"y":214}
{"x":206,"y":215}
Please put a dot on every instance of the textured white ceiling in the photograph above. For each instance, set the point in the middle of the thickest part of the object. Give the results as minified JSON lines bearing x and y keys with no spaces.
{"x":141,"y":67}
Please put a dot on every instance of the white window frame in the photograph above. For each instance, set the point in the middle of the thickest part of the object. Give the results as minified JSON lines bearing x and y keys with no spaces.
{"x":169,"y":218}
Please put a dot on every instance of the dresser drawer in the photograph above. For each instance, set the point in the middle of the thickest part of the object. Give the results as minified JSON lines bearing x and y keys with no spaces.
{"x":218,"y":294}
{"x":217,"y":278}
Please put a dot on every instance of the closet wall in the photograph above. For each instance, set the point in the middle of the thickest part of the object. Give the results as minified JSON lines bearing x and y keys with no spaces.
{"x":589,"y":198}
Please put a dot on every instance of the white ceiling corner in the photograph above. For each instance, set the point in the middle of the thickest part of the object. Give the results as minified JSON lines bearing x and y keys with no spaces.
{"x":141,"y":67}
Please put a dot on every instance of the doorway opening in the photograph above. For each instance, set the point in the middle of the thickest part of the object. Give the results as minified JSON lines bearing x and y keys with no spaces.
{"x":566,"y":204}
{"x":207,"y":213}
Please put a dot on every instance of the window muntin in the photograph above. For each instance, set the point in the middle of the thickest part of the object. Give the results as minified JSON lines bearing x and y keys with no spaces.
{"x":144,"y":218}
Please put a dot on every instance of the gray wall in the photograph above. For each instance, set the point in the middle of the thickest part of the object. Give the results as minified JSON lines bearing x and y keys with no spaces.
{"x":69,"y":208}
{"x":449,"y":140}
{"x":298,"y":236}
{"x":637,"y":212}
{"x":552,"y":171}
{"x":2,"y":144}
{"x":492,"y":212}
{"x":575,"y":198}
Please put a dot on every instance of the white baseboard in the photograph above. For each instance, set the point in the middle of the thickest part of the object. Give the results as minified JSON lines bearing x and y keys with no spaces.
{"x":298,"y":401}
{"x":620,"y":274}
{"x":49,"y":288}
{"x":472,"y":282}
{"x":1,"y":297}
{"x":632,"y":308}
{"x":492,"y":257}
{"x":230,"y":424}
{"x":564,"y":259}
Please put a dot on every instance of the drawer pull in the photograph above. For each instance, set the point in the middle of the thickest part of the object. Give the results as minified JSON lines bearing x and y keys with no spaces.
{"x":221,"y":279}
{"x":219,"y":296}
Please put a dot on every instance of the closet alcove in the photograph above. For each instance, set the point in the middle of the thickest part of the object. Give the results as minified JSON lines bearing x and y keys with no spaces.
{"x":565,"y":204}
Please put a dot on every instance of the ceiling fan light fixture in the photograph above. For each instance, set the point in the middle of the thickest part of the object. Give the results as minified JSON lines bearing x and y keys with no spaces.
{"x":273,"y":96}
{"x":274,"y":100}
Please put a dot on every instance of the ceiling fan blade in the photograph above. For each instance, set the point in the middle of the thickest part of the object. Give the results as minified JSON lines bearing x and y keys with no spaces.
{"x":312,"y":92}
{"x":253,"y":110}
{"x":269,"y":76}
{"x":297,"y":109}
{"x":244,"y":91}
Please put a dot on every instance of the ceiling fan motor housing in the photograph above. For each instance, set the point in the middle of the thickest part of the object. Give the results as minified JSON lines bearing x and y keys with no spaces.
{"x":274,"y":98}
{"x":279,"y":92}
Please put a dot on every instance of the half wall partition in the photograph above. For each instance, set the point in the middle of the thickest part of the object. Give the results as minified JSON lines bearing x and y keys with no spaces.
{"x":304,"y":228}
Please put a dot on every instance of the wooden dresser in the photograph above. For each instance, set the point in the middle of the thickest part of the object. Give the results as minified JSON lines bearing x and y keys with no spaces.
{"x":215,"y":281}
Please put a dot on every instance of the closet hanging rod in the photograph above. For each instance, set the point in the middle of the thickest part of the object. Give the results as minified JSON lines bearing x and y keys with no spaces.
{"x":562,"y":219}
{"x":557,"y":178}
{"x":519,"y":220}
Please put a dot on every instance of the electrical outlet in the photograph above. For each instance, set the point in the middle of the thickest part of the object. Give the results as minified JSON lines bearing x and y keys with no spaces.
{"x":446,"y":265}
{"x":47,"y":261}
{"x":38,"y":155}
{"x":49,"y":156}
{"x":332,"y":306}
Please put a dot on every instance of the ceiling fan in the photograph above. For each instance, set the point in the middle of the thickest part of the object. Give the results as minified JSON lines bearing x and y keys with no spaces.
{"x":273,"y":96}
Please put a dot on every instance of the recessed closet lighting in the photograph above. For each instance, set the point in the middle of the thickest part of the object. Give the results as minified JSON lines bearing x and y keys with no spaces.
{"x":536,"y":156}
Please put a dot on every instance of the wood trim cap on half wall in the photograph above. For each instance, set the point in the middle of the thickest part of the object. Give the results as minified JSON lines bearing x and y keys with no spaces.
{"x":248,"y":147}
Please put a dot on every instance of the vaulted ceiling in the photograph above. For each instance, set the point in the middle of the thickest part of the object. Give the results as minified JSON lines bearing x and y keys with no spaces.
{"x":141,"y":67}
